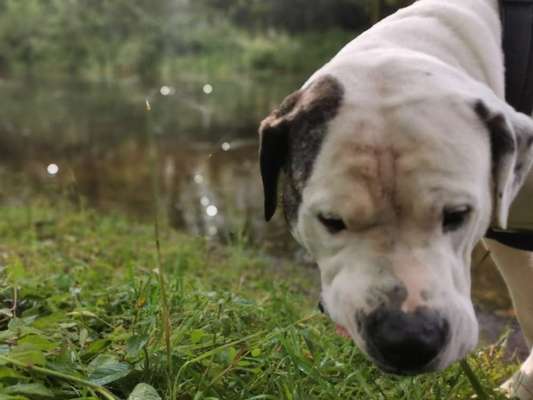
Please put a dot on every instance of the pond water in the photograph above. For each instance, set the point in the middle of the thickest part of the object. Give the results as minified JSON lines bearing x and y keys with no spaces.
{"x":96,"y":141}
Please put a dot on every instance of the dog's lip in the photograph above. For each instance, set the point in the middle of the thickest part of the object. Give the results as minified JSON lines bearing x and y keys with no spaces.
{"x":342,"y":331}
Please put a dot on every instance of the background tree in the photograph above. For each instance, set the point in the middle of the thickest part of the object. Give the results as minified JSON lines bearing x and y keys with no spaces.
{"x":110,"y":39}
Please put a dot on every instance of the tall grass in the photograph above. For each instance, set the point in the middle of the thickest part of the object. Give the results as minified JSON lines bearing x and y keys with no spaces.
{"x":160,"y":272}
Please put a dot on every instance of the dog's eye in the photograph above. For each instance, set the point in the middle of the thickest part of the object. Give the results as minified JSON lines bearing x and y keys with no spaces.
{"x":332,"y":224}
{"x":454,"y":217}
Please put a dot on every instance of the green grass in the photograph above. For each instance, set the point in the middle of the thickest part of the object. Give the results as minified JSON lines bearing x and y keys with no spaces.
{"x":86,"y":295}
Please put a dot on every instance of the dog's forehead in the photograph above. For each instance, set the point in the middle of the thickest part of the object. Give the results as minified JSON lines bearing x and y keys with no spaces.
{"x":417,"y":129}
{"x":389,"y":151}
{"x":387,"y":127}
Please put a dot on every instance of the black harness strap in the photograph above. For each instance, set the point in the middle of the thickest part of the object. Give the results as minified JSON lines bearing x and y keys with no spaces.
{"x":517,"y":20}
{"x":519,"y":240}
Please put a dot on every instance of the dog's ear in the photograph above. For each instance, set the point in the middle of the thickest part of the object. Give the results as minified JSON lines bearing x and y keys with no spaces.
{"x":511,"y":137}
{"x":273,"y":149}
{"x":301,"y":111}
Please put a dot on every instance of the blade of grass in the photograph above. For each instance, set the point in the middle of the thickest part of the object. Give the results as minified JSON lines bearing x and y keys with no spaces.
{"x":239,"y":341}
{"x":165,"y":314}
{"x":474,"y":381}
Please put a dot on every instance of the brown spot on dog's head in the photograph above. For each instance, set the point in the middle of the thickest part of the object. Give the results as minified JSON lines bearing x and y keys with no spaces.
{"x":290,"y":138}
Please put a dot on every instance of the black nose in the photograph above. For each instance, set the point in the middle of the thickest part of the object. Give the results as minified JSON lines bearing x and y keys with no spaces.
{"x":405,"y":343}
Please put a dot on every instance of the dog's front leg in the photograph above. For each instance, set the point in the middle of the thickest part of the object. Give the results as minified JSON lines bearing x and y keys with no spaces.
{"x":517,"y":269}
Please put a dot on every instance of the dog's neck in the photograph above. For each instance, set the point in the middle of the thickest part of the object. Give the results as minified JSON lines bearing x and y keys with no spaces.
{"x":474,"y":26}
{"x":480,"y":28}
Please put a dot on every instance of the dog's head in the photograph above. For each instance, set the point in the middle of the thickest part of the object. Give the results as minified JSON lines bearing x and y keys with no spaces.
{"x":389,"y":184}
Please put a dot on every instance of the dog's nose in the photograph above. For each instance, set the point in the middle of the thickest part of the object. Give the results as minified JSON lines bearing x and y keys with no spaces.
{"x":405,"y":343}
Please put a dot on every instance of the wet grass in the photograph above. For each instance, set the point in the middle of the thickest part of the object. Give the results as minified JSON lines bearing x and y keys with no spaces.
{"x":81,"y":318}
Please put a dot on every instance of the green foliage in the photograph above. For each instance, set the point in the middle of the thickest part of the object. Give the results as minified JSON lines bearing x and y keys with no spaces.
{"x":85,"y":35}
{"x":149,"y":40}
{"x":296,"y":15}
{"x":282,"y":53}
{"x":81,"y":309}
{"x":144,"y":392}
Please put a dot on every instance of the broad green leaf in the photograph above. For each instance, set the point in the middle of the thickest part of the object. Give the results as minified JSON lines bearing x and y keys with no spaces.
{"x":28,"y":356}
{"x":105,"y":369}
{"x":144,"y":391}
{"x":135,"y":344}
{"x":197,"y":335}
{"x":49,"y":321}
{"x":226,"y":356}
{"x":64,"y":362}
{"x":86,"y":398}
{"x":16,"y":324}
{"x":38,"y":343}
{"x":7,"y":334}
{"x":30,"y":389}
{"x":9,"y":397}
{"x":97,"y":346}
{"x":28,"y":320}
{"x":8,"y":373}
{"x":22,"y":325}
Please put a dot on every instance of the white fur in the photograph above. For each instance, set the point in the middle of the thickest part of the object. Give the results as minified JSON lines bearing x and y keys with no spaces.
{"x":405,"y":144}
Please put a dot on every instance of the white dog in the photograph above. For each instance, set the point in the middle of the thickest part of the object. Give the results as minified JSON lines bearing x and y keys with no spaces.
{"x":395,"y":158}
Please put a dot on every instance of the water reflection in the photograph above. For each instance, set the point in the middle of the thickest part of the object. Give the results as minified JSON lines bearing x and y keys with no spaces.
{"x":52,"y":169}
{"x":199,"y":179}
{"x":167,"y":90}
{"x":223,"y":196}
{"x":226,"y":146}
{"x":207,"y":88}
{"x":97,"y":134}
{"x":211,"y":211}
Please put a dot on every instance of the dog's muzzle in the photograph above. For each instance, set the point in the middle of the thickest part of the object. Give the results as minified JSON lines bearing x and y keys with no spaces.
{"x":405,"y":343}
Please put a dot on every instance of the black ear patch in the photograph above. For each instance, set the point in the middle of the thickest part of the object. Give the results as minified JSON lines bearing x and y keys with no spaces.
{"x":273,"y":149}
{"x":511,"y":136}
{"x":288,"y":129}
{"x":272,"y":158}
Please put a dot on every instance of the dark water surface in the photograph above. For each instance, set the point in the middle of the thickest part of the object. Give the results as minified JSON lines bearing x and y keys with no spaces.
{"x":95,"y":141}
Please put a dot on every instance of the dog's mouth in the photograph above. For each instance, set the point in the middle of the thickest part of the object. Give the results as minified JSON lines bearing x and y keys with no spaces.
{"x":341,"y":330}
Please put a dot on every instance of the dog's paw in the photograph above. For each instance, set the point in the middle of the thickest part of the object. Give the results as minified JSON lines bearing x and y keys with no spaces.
{"x":518,"y":387}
